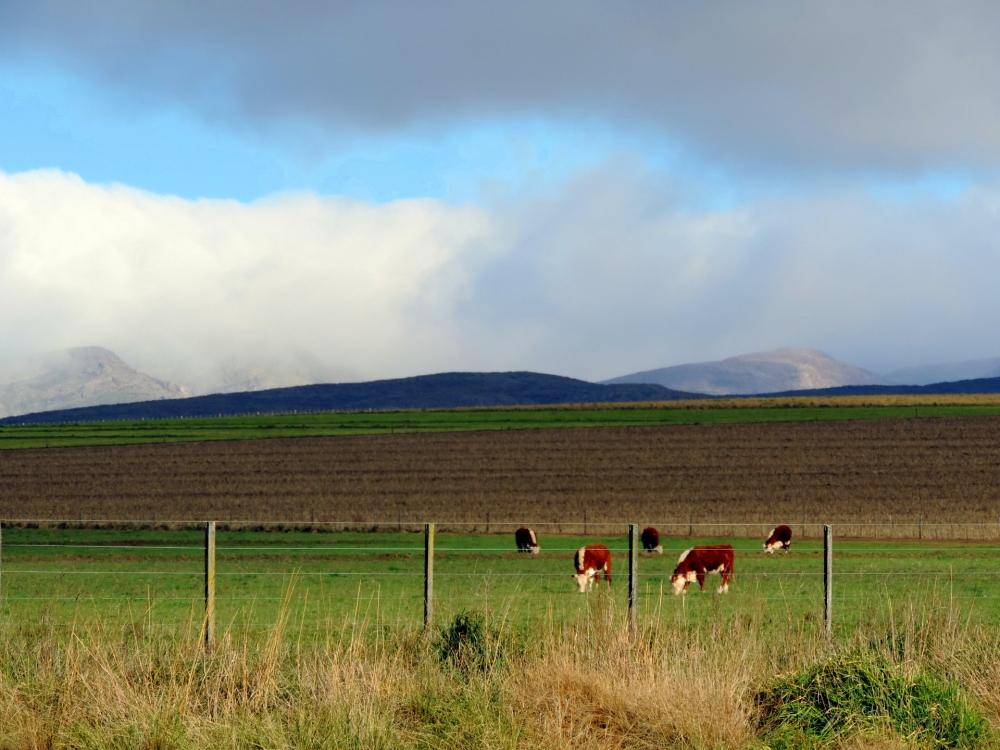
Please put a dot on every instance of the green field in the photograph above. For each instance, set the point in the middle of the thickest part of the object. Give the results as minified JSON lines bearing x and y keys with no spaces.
{"x":68,"y":574}
{"x":339,"y":423}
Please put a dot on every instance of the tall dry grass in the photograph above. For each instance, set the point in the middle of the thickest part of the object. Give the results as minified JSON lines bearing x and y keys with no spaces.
{"x":125,"y":682}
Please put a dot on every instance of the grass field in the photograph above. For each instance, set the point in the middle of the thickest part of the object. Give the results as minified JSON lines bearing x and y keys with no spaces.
{"x":71,"y":573}
{"x":728,"y":411}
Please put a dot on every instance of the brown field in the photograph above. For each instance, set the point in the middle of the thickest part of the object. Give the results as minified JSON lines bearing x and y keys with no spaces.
{"x":892,"y":473}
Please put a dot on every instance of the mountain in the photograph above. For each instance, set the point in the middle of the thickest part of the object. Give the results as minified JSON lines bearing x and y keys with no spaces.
{"x":85,"y":376}
{"x":444,"y":391}
{"x":951,"y":371}
{"x":763,"y":372}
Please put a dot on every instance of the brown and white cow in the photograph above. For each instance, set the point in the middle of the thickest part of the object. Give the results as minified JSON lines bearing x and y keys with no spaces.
{"x":650,"y":539}
{"x":780,"y":536}
{"x":589,"y":562}
{"x":694,"y":564}
{"x":526,"y":540}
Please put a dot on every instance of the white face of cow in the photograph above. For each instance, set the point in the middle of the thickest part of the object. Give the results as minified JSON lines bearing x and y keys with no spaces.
{"x":582,"y":579}
{"x":680,"y":581}
{"x":770,"y":548}
{"x":535,"y":550}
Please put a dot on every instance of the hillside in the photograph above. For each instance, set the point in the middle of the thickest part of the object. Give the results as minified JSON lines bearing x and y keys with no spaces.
{"x":446,"y":390}
{"x":948,"y":372}
{"x":86,"y":376}
{"x":977,"y":385}
{"x":762,"y":372}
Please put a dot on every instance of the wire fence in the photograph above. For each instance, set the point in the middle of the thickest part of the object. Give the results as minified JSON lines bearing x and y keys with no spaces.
{"x":167,"y":566}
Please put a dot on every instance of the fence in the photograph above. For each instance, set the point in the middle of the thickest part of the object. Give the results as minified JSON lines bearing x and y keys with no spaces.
{"x":73,"y":562}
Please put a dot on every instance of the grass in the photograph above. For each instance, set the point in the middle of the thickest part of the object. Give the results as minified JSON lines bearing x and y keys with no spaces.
{"x":924,"y":678}
{"x":723,"y":411}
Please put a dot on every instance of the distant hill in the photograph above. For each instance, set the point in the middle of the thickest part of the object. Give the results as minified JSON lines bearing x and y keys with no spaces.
{"x":977,"y":385}
{"x":762,"y":372}
{"x":86,"y":376}
{"x":975,"y":369}
{"x":447,"y":390}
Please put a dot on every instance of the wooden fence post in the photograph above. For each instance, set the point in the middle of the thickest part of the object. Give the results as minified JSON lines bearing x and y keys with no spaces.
{"x":428,"y":576}
{"x":828,"y":579}
{"x":209,"y":583}
{"x":633,"y":576}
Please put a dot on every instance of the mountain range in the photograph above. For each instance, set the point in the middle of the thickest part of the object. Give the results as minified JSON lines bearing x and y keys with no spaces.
{"x":92,"y":383}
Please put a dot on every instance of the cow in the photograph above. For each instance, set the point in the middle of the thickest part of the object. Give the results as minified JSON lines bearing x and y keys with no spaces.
{"x":650,"y":539}
{"x":589,"y":562}
{"x":694,"y":564}
{"x":780,"y":536}
{"x":526,"y":540}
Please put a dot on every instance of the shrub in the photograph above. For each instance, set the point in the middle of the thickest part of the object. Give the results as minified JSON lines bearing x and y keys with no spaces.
{"x":469,"y":644}
{"x":862,"y":691}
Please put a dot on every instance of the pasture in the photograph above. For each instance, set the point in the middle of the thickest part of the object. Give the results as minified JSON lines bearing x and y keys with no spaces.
{"x":330,"y":577}
{"x":333,"y":424}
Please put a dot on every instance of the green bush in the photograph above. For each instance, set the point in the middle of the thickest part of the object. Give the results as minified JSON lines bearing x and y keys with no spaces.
{"x":862,"y":691}
{"x":469,"y":644}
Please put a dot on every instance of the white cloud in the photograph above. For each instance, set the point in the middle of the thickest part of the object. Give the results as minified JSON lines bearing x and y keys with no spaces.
{"x":184,"y":289}
{"x":610,"y":276}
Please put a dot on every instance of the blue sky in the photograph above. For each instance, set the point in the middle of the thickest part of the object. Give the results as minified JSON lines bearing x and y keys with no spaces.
{"x":576,"y":188}
{"x":50,"y":118}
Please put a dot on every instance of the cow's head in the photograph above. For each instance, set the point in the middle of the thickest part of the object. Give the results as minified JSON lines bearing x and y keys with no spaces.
{"x":535,"y":550}
{"x":769,"y":548}
{"x":680,"y":581}
{"x":582,"y":579}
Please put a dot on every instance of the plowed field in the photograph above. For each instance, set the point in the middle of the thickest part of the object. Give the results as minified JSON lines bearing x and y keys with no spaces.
{"x":898,"y":474}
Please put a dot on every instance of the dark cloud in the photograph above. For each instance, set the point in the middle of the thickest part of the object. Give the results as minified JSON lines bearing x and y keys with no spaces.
{"x":899,"y":85}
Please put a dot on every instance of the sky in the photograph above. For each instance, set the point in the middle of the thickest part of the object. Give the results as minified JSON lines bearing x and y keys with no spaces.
{"x":357,"y":190}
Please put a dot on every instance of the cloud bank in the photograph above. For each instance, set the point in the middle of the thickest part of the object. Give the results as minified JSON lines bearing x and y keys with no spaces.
{"x":610,"y":275}
{"x":898,"y":85}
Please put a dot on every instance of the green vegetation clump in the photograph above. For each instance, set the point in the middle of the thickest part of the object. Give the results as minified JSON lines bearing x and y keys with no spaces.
{"x":469,"y":644}
{"x":863,"y":691}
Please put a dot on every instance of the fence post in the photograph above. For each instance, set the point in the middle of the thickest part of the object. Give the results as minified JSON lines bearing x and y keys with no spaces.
{"x":828,"y":579}
{"x":633,"y":576}
{"x":428,"y":575}
{"x":209,"y":583}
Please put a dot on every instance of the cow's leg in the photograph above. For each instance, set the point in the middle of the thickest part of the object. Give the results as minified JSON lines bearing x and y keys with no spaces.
{"x":724,"y":585}
{"x":701,"y":579}
{"x":607,"y":574}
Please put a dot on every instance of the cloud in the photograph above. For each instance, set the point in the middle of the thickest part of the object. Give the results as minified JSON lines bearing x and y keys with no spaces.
{"x":187,"y":290}
{"x":900,"y":85}
{"x":611,"y":275}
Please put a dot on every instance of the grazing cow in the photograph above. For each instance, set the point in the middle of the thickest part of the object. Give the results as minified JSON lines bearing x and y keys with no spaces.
{"x":590,"y":561}
{"x":781,"y":536}
{"x":697,"y":562}
{"x":526,"y":540}
{"x":650,"y":539}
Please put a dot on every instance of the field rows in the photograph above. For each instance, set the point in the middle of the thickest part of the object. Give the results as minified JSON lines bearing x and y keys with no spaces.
{"x":927,"y":478}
